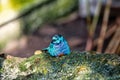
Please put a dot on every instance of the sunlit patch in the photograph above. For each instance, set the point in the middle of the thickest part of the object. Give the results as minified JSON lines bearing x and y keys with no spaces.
{"x":44,"y":70}
{"x":9,"y":57}
{"x":4,"y":4}
{"x":11,"y":30}
{"x":84,"y":72}
{"x":28,"y":64}
{"x":18,"y":4}
{"x":7,"y":13}
{"x":37,"y":52}
{"x":83,"y":69}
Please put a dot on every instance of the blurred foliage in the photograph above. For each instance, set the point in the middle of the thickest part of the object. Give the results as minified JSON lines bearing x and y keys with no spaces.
{"x":33,"y":13}
{"x":0,"y":8}
{"x":24,"y":4}
{"x":17,"y":4}
{"x":48,"y":12}
{"x":76,"y":66}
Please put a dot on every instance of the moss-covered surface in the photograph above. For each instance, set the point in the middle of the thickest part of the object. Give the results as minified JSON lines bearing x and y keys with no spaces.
{"x":76,"y":66}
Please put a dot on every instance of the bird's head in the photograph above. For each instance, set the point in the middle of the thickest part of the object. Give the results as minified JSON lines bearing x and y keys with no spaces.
{"x":56,"y":39}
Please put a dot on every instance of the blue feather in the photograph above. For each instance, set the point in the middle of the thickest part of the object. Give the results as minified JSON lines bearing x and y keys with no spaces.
{"x":58,"y":46}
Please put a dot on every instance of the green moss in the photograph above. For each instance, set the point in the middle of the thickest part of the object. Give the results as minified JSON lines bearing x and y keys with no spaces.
{"x":35,"y":63}
{"x":76,"y":66}
{"x":22,"y":67}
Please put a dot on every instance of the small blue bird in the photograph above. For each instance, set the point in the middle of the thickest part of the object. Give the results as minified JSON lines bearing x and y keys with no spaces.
{"x":58,"y":46}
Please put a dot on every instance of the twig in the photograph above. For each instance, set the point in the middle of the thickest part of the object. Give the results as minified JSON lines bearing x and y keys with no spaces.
{"x":88,"y":13}
{"x":118,"y":49}
{"x":89,"y":40}
{"x":111,"y":31}
{"x":113,"y":28}
{"x":104,"y":26}
{"x":108,"y":33}
{"x":92,"y":27}
{"x":114,"y":44}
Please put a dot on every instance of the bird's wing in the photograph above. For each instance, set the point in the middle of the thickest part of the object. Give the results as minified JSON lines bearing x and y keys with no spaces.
{"x":51,"y":49}
{"x":65,"y":48}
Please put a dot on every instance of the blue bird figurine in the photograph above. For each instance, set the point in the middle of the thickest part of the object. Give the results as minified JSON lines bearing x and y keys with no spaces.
{"x":58,"y":46}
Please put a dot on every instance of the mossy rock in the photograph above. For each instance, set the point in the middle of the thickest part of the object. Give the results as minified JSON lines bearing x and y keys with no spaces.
{"x":76,"y":66}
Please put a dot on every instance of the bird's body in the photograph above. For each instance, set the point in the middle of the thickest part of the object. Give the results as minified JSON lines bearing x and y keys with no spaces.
{"x":58,"y":46}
